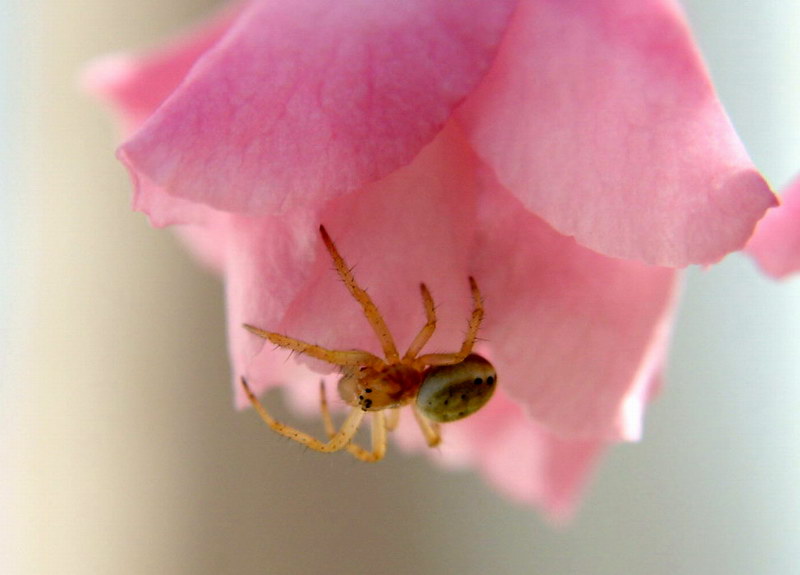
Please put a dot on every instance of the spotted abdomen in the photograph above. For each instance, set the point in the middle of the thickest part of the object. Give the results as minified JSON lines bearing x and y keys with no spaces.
{"x":451,"y":392}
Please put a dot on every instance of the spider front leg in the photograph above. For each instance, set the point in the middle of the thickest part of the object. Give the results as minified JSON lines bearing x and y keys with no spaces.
{"x":339,"y":440}
{"x":351,"y":358}
{"x":469,"y":340}
{"x":374,"y":317}
{"x":379,"y":429}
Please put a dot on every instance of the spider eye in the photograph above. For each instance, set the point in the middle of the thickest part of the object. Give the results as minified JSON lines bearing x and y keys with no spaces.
{"x":451,"y":392}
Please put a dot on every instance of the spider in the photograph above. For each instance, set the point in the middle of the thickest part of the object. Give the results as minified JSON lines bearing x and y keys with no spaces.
{"x":439,"y":387}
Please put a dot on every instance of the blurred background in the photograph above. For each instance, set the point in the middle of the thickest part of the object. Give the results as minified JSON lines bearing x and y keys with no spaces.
{"x":120,"y":451}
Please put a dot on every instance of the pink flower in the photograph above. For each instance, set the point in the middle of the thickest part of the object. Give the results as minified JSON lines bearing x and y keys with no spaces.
{"x":568,"y":155}
{"x":776,"y":242}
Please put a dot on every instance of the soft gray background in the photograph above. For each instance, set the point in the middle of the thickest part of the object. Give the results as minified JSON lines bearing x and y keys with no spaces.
{"x":121,"y":453}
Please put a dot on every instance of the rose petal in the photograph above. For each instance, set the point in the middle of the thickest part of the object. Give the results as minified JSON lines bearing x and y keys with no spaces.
{"x":600,"y":117}
{"x":580,"y":337}
{"x":776,"y":242}
{"x":305,"y":100}
{"x":135,"y":86}
{"x":520,"y":457}
{"x":533,"y":465}
{"x":206,"y":243}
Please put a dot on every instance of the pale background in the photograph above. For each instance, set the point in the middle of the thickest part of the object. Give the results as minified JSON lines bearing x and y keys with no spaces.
{"x":121,"y":453}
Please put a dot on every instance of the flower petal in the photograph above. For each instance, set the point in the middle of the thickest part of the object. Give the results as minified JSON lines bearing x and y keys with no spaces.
{"x":135,"y":86}
{"x":578,"y":337}
{"x":776,"y":242}
{"x":600,"y":117}
{"x":530,"y":463}
{"x":516,"y":454}
{"x":304,"y":100}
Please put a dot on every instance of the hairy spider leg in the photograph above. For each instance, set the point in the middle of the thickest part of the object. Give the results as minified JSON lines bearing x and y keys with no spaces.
{"x":378,"y":431}
{"x":370,"y":309}
{"x":427,"y":330}
{"x":469,"y":341}
{"x":430,"y":429}
{"x":339,"y":440}
{"x":350,"y":358}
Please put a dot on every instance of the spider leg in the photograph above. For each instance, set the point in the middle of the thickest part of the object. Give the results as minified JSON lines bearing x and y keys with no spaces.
{"x":353,"y":358}
{"x":430,"y":429}
{"x":370,"y":309}
{"x":427,"y":330}
{"x":326,"y":413}
{"x":339,"y":440}
{"x":474,"y":320}
{"x":378,"y":440}
{"x":469,"y":341}
{"x":392,"y":419}
{"x":379,"y":429}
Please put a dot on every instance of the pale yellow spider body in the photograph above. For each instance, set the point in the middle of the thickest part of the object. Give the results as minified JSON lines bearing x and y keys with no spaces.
{"x":439,"y":387}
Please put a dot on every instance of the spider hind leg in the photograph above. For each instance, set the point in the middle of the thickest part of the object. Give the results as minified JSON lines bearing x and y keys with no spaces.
{"x":430,"y":429}
{"x":427,"y":330}
{"x":474,"y":325}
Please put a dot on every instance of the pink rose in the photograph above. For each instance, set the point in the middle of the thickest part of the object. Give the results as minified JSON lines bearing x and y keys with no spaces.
{"x":568,"y":155}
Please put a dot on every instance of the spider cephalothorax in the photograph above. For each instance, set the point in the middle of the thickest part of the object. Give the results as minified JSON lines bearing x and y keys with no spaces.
{"x":439,"y":387}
